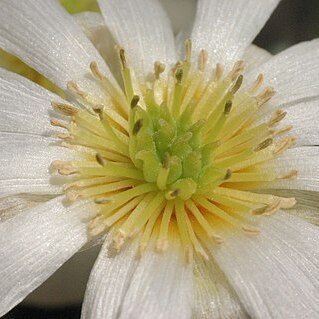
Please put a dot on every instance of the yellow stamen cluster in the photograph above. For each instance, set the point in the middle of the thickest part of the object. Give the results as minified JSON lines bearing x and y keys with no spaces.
{"x":180,"y":151}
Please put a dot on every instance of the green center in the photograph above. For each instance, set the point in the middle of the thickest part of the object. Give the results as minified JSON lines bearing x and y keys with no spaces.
{"x":169,"y":150}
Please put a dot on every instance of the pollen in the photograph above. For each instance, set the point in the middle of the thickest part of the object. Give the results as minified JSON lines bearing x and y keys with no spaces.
{"x":179,"y":154}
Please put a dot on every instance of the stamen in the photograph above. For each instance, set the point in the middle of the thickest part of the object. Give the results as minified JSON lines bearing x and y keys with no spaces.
{"x":257,"y":84}
{"x":64,"y":109}
{"x":96,"y":72}
{"x":159,"y":68}
{"x":219,"y":70}
{"x":188,"y":50}
{"x":75,"y":89}
{"x":203,"y":59}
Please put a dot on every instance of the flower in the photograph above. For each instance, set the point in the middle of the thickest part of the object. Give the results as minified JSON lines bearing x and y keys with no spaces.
{"x":186,"y":163}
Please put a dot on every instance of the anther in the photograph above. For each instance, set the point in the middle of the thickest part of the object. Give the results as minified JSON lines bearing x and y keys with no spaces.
{"x":122,"y":58}
{"x":159,"y":68}
{"x":277,"y":117}
{"x":172,"y":194}
{"x":179,"y":76}
{"x":219,"y":70}
{"x":96,"y":72}
{"x":250,"y":230}
{"x":284,"y":144}
{"x":102,"y":200}
{"x":264,"y":144}
{"x":237,"y":85}
{"x":166,"y":161}
{"x":257,"y":84}
{"x":59,"y":124}
{"x":137,"y":126}
{"x":188,"y":50}
{"x":74,"y":88}
{"x":228,"y":107}
{"x":64,"y":109}
{"x":72,"y":196}
{"x":290,"y":175}
{"x":134,"y":101}
{"x":202,"y":60}
{"x":98,"y":109}
{"x":228,"y":174}
{"x":265,"y":96}
{"x":237,"y":69}
{"x":96,"y":226}
{"x":282,"y":130}
{"x":100,"y":159}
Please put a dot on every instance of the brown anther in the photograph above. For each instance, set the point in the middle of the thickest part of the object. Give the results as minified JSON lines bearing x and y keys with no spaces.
{"x":98,"y":109}
{"x":166,"y":161}
{"x":219,"y":70}
{"x":179,"y":75}
{"x":122,"y":58}
{"x":218,"y":239}
{"x":96,"y":71}
{"x":134,"y":101}
{"x":174,"y":193}
{"x":250,"y":230}
{"x":228,"y":174}
{"x":137,"y":126}
{"x":287,"y":202}
{"x":284,"y":144}
{"x":257,"y":84}
{"x":96,"y":226}
{"x":236,"y":70}
{"x":119,"y":239}
{"x":188,"y":50}
{"x":64,"y":109}
{"x":237,"y":84}
{"x":265,"y":96}
{"x":99,"y":158}
{"x":202,"y":60}
{"x":273,"y":208}
{"x":290,"y":175}
{"x":263,"y":144}
{"x":228,"y":107}
{"x":59,"y":124}
{"x":64,"y":136}
{"x":259,"y":211}
{"x":159,"y":68}
{"x":277,"y":117}
{"x":75,"y":89}
{"x":282,"y":130}
{"x":102,"y":200}
{"x":72,"y":196}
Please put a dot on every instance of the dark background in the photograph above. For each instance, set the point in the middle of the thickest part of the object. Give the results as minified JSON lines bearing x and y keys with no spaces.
{"x":293,"y":21}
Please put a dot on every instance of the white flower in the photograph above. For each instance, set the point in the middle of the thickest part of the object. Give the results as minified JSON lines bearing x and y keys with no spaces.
{"x":188,"y":167}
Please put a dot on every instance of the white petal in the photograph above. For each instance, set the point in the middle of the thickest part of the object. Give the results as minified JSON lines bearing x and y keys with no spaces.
{"x":44,"y":36}
{"x":181,"y":13}
{"x":143,"y":29}
{"x":14,"y":204}
{"x":305,"y":161}
{"x":109,"y":281}
{"x":225,"y":28}
{"x":304,"y":117}
{"x":276,"y":273}
{"x":35,"y":244}
{"x":214,"y":297}
{"x":25,"y":164}
{"x":161,"y":287}
{"x":294,"y":74}
{"x":255,"y":56}
{"x":25,"y":107}
{"x":92,"y":24}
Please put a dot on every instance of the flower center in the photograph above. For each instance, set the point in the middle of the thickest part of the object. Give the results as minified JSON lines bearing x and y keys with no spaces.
{"x":176,"y":155}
